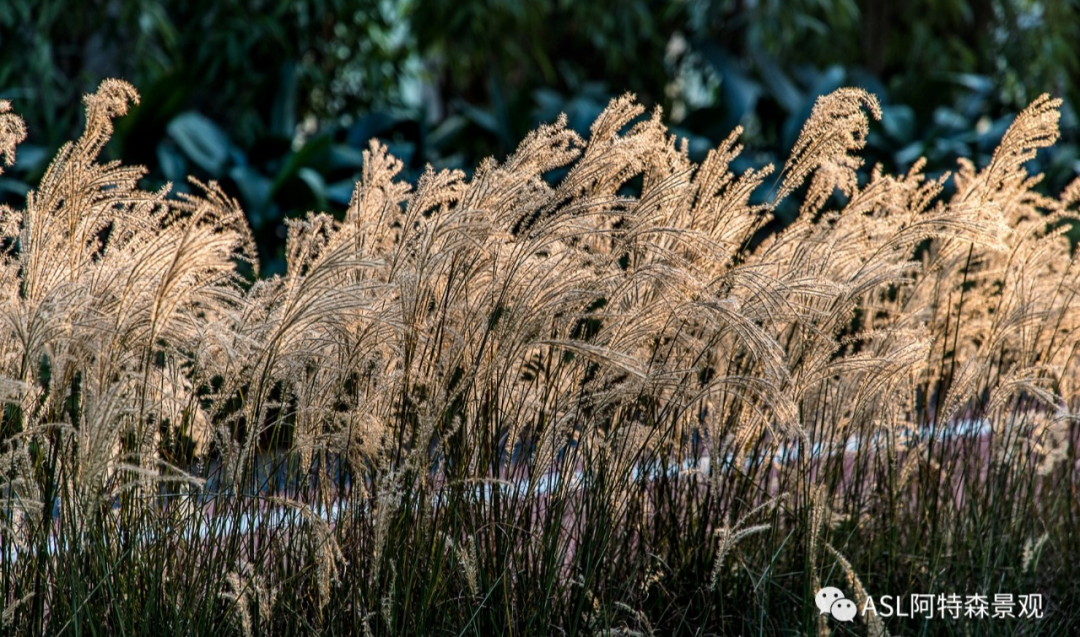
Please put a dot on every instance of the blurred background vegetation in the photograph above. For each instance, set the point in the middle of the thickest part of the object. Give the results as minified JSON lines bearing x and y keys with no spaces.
{"x":276,"y":99}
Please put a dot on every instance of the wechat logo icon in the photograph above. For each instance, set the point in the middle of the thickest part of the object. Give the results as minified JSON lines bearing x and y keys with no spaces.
{"x":831,"y":601}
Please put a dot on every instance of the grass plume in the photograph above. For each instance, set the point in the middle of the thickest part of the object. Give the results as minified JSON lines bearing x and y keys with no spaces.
{"x":514,"y":404}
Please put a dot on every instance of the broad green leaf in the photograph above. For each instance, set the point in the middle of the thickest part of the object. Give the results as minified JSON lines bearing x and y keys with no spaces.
{"x":201,"y":140}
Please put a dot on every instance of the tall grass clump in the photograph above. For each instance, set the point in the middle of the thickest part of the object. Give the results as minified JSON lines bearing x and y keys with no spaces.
{"x":614,"y":401}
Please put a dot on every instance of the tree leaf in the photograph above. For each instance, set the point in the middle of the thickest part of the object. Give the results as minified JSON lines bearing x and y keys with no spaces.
{"x":201,"y":140}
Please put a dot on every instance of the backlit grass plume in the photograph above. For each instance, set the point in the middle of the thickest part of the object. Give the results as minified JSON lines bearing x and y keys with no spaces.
{"x":616,"y":402}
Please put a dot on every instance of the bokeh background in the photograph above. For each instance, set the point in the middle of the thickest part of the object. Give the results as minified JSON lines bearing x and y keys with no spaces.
{"x":276,"y":99}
